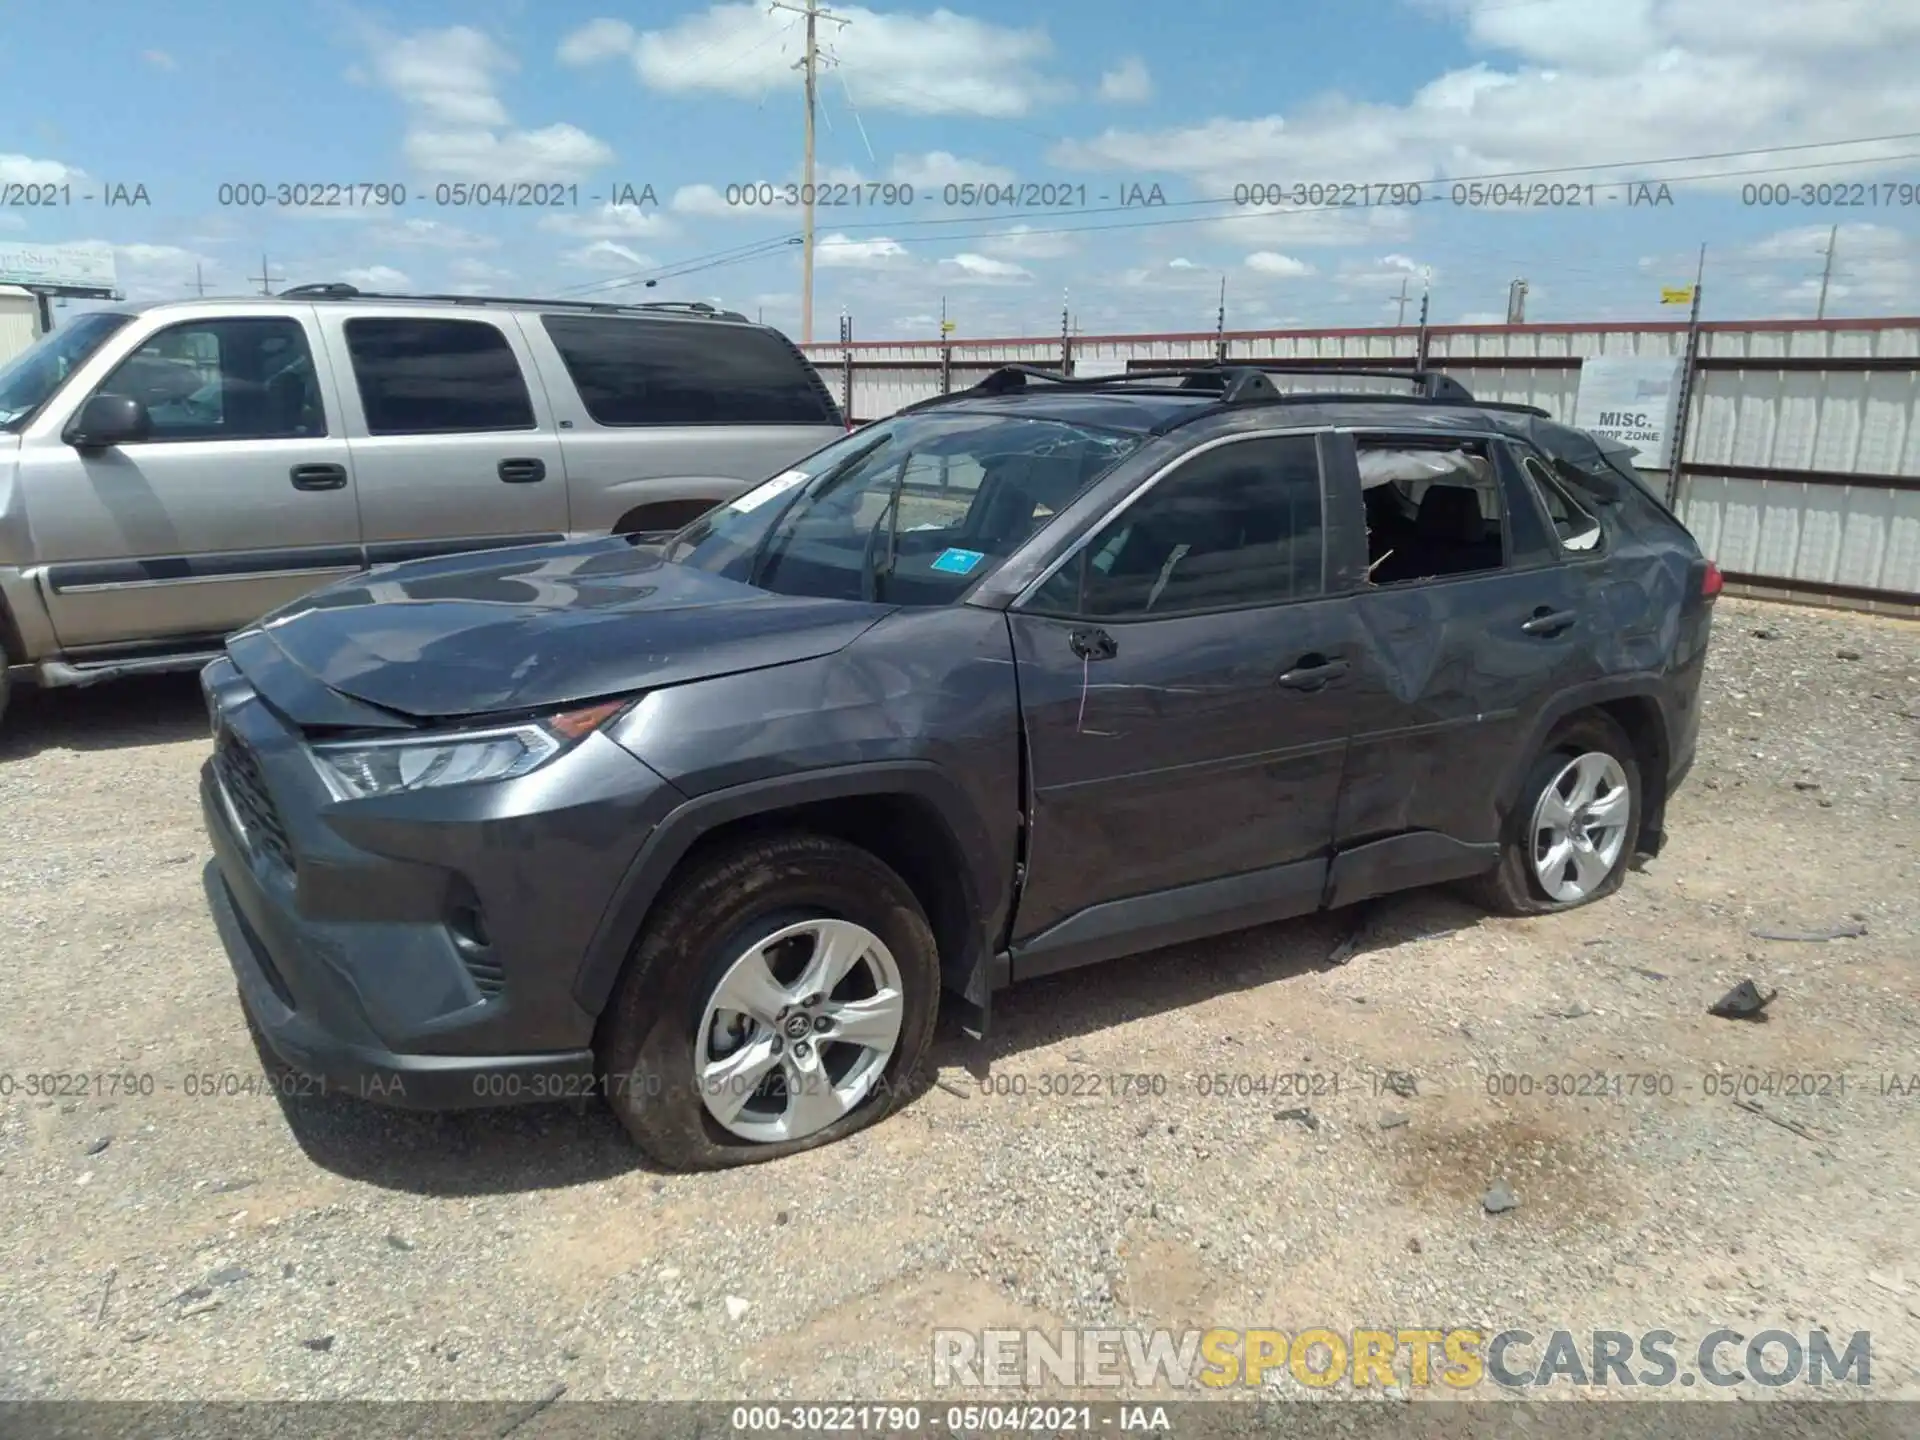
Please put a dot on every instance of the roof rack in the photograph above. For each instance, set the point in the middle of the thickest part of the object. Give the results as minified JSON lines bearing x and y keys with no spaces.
{"x":339,"y":290}
{"x":1230,"y":379}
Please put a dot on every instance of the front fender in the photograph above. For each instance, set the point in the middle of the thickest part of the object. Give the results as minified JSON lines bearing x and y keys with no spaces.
{"x":686,"y":824}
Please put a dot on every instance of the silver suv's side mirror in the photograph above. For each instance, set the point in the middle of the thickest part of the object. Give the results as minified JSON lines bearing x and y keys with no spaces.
{"x":107,"y":420}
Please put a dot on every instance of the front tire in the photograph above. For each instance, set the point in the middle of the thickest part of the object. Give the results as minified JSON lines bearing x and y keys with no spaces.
{"x":782,"y":996}
{"x":1573,"y":827}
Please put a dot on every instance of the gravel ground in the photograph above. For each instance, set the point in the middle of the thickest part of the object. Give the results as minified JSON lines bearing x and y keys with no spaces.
{"x":167,"y":1245}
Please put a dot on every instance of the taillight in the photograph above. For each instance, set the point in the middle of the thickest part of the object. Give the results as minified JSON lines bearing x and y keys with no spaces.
{"x":1713,"y":582}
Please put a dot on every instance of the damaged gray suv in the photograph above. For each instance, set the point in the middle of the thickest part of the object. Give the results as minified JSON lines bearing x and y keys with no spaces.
{"x":1025,"y":678}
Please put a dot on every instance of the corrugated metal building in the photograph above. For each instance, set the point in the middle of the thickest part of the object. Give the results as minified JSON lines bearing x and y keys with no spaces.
{"x":19,"y":321}
{"x":1800,"y":460}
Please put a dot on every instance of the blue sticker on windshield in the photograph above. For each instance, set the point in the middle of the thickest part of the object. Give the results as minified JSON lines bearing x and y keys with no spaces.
{"x":958,"y":562}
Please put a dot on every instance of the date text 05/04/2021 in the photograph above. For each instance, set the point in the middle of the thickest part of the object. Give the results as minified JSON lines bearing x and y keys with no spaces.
{"x":1013,"y":1417}
{"x":1456,"y":194}
{"x":343,"y":194}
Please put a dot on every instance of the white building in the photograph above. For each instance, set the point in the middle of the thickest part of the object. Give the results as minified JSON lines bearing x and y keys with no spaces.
{"x":19,"y":321}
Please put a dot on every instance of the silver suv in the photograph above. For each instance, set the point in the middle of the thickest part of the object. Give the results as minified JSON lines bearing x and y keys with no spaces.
{"x":169,"y":472}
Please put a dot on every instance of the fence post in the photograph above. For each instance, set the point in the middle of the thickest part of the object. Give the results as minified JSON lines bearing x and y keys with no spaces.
{"x":1684,"y":403}
{"x":846,"y":370}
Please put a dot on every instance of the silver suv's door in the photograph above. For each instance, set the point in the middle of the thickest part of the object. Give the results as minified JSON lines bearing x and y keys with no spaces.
{"x":453,"y":441}
{"x":241,"y":498}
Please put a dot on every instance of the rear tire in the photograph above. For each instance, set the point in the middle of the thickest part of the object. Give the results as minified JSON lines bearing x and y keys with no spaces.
{"x":687,"y":1075}
{"x":1566,"y":843}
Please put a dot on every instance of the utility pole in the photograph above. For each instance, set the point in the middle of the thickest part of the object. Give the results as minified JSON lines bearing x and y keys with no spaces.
{"x":1220,"y":324}
{"x":200,"y":281}
{"x":809,"y":64}
{"x":1401,"y":322}
{"x":1833,"y":238}
{"x":1517,"y":303}
{"x":265,"y":278}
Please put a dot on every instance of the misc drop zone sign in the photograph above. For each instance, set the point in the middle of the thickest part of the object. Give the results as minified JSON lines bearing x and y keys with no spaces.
{"x":1632,"y":399}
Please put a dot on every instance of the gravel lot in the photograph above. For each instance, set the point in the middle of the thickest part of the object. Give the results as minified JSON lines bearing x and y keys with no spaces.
{"x":238,"y":1246}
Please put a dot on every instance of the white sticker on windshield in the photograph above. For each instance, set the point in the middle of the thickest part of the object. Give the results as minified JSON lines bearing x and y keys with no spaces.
{"x":767,"y":490}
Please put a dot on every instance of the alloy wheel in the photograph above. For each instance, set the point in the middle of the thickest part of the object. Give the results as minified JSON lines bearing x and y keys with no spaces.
{"x":798,"y":1030}
{"x":1580,"y":825}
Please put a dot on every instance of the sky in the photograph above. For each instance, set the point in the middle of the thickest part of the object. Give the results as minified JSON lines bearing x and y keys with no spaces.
{"x":1007,"y":162}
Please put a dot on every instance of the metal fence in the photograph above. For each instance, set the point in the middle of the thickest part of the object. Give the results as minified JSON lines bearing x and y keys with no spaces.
{"x":1800,"y":441}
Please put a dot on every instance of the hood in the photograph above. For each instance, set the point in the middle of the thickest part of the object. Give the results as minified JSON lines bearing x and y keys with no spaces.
{"x":532,"y":627}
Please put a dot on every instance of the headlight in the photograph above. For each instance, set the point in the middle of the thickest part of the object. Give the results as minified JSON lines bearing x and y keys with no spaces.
{"x":358,"y":769}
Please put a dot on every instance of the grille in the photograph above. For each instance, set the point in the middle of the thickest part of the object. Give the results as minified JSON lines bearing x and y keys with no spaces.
{"x":246,"y":790}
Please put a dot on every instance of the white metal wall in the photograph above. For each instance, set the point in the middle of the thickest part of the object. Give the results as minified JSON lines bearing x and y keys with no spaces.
{"x":1838,"y":420}
{"x":19,"y":322}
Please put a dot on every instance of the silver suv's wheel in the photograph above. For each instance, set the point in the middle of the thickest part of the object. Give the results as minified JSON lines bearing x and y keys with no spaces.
{"x":798,"y":1029}
{"x":782,"y":996}
{"x":1579,"y":826}
{"x":1573,"y":822}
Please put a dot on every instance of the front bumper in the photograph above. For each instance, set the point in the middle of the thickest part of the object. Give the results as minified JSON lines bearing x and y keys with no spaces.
{"x":351,"y":925}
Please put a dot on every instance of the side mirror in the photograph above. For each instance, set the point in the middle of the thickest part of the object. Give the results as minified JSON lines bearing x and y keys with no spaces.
{"x":107,"y":420}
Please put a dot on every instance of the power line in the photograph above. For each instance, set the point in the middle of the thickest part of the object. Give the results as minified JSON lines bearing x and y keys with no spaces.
{"x":1248,"y":213}
{"x":1266,"y":213}
{"x":1492,"y":175}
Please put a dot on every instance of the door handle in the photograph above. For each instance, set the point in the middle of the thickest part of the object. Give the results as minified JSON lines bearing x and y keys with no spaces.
{"x":1549,"y":622}
{"x":1310,"y":672}
{"x":1093,"y":645}
{"x":523,"y":472}
{"x":318,"y":477}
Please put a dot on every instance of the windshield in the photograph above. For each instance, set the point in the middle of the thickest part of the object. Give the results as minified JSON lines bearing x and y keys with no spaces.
{"x":910,"y":511}
{"x":28,"y":380}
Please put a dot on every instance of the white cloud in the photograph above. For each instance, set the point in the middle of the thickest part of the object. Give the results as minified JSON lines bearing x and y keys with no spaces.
{"x":985,"y":268}
{"x":1292,"y":228}
{"x":10,"y":221}
{"x":938,"y":168}
{"x":1025,"y":242}
{"x":1481,"y":317}
{"x":841,"y":252}
{"x":377,"y":277}
{"x":1577,"y":82}
{"x":1876,"y":269}
{"x":1128,"y":83}
{"x":1271,"y":262}
{"x":25,"y":170}
{"x":435,"y":233}
{"x":609,"y":222}
{"x":938,"y":63}
{"x":556,"y":153}
{"x":701,"y":200}
{"x":159,"y":59}
{"x":608,"y":255}
{"x":1180,"y":263}
{"x":595,"y":41}
{"x":458,"y":128}
{"x":478,"y":277}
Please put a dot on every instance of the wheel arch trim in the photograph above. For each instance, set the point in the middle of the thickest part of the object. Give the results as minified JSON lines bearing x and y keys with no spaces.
{"x":1596,"y":695}
{"x":688,"y":823}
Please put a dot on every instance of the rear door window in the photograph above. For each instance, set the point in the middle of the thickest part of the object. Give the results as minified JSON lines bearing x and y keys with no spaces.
{"x":437,"y":377}
{"x":686,"y":372}
{"x":1577,"y":529}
